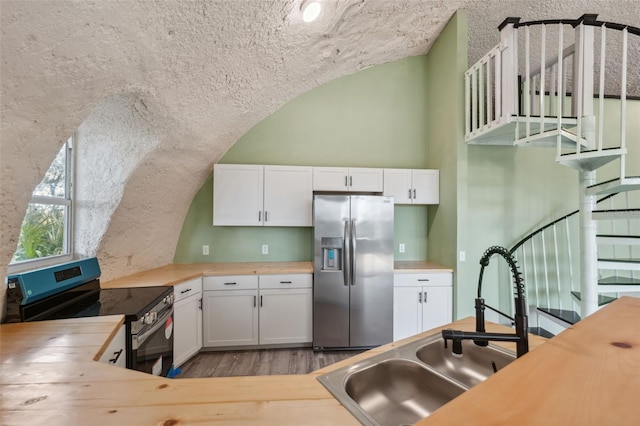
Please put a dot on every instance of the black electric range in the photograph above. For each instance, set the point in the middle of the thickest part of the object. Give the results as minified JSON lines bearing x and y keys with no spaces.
{"x":72,"y":290}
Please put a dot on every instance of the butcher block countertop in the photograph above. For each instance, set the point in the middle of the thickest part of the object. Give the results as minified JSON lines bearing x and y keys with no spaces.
{"x":178,"y":272}
{"x":590,"y":374}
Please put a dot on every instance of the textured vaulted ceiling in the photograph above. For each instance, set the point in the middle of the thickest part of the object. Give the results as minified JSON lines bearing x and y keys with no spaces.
{"x":164,"y":88}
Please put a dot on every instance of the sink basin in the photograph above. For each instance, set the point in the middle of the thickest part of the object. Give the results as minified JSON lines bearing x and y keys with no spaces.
{"x":399,"y":392}
{"x":474,"y":366}
{"x":407,"y":383}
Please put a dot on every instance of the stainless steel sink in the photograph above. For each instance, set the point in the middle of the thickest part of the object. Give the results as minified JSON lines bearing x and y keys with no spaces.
{"x":399,"y":392}
{"x":474,"y":366}
{"x":407,"y":383}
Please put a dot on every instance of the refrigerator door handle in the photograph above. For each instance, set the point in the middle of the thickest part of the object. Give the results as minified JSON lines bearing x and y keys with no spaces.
{"x":345,"y":254}
{"x":353,"y":252}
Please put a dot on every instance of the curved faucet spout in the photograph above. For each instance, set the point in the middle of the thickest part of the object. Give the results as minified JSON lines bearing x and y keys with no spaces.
{"x":481,"y":337}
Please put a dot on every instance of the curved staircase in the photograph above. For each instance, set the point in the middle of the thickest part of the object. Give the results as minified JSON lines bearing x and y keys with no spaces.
{"x":544,"y":85}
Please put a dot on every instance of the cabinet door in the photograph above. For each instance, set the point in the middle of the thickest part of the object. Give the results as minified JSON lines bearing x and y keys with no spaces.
{"x":407,"y":312}
{"x":237,"y":195}
{"x":366,"y":180}
{"x":427,"y":186}
{"x":230,"y":318}
{"x":285,"y":316}
{"x":436,"y":307}
{"x":397,"y":184}
{"x":116,"y":352}
{"x":187,"y":319}
{"x":288,"y":196}
{"x":330,"y":179}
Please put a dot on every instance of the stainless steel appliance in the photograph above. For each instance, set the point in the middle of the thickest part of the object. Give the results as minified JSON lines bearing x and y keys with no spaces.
{"x":353,"y":271}
{"x":72,"y":290}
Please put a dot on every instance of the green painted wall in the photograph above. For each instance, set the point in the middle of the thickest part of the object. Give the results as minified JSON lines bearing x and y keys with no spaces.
{"x":374,"y":118}
{"x":447,"y":62}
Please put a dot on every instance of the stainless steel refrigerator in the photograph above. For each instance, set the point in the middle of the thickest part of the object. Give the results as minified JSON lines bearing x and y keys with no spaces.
{"x":353,"y":271}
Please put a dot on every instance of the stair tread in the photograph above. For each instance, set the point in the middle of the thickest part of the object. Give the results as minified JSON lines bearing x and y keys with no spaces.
{"x":616,"y":210}
{"x":589,"y":151}
{"x":570,"y":317}
{"x":613,"y":280}
{"x":541,"y":332}
{"x":612,"y":180}
{"x":621,"y":260}
{"x":603,"y":299}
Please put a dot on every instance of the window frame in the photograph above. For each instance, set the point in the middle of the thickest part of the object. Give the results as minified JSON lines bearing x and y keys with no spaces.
{"x":67,"y":203}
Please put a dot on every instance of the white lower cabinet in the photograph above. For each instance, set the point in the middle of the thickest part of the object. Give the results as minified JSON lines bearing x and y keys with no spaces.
{"x":187,"y":320}
{"x":264,"y":310}
{"x":230,"y":318}
{"x":116,"y":352}
{"x":421,"y":302}
{"x":286,"y":309}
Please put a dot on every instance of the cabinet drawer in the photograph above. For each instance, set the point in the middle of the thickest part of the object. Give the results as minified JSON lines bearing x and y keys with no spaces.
{"x":426,"y":279}
{"x":286,"y":281}
{"x":187,"y":288}
{"x":230,"y":282}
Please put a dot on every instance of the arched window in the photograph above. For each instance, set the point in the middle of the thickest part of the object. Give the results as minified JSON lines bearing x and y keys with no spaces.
{"x":46,"y":228}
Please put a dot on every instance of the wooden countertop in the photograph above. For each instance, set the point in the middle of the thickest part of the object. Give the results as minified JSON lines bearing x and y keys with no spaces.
{"x":590,"y":374}
{"x":418,"y":266}
{"x":587,"y":375}
{"x":178,"y":272}
{"x":49,"y":376}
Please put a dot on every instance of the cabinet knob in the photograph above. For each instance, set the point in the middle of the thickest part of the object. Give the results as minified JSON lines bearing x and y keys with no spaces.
{"x":414,"y":194}
{"x":230,"y":283}
{"x":285,"y":282}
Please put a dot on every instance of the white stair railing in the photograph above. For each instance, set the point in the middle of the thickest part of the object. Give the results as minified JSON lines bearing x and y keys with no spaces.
{"x":547,"y":99}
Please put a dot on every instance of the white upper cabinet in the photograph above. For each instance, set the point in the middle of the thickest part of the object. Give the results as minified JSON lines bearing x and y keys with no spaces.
{"x":254,"y":195}
{"x":366,"y":180}
{"x":406,"y":186}
{"x":288,"y":196}
{"x":397,"y":184}
{"x":237,"y":194}
{"x":347,"y":179}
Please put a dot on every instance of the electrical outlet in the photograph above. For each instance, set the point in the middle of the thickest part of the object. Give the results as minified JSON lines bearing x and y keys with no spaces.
{"x":462,"y":256}
{"x":265,"y":249}
{"x":401,"y":247}
{"x":205,"y":250}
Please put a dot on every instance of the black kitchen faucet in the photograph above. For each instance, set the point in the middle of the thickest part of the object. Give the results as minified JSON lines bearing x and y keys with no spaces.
{"x":480,"y":337}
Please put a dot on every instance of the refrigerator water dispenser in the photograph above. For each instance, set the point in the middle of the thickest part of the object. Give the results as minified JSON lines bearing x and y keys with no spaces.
{"x":331,"y":253}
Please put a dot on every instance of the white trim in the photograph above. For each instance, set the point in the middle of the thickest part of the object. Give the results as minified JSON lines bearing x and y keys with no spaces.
{"x":27,"y":265}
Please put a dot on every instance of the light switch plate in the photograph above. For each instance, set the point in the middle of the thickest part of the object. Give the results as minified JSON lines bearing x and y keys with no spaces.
{"x":401,"y":247}
{"x":265,"y":249}
{"x":205,"y":250}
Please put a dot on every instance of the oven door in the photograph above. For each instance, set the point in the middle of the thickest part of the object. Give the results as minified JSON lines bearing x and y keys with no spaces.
{"x":152,"y":347}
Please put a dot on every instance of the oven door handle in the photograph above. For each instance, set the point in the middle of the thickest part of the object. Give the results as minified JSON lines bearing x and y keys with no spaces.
{"x":142,"y":337}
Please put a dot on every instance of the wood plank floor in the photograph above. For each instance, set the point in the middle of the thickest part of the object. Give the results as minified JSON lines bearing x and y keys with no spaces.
{"x":260,"y":362}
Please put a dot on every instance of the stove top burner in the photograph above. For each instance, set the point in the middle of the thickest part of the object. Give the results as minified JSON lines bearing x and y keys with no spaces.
{"x":131,"y":302}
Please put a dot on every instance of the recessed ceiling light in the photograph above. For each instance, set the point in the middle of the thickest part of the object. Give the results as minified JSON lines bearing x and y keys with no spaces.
{"x":310,"y":10}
